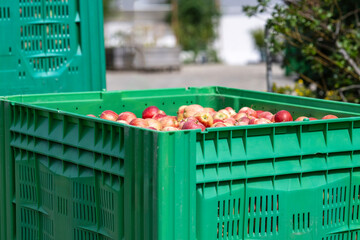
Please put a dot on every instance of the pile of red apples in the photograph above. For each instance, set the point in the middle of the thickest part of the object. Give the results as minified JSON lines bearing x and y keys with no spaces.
{"x":197,"y":117}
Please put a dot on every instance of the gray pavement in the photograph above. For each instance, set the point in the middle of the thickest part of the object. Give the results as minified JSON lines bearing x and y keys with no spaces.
{"x":250,"y":77}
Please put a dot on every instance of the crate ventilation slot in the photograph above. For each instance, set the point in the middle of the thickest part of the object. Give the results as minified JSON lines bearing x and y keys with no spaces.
{"x":301,"y":222}
{"x":334,"y":206}
{"x":4,"y":13}
{"x":229,"y":216}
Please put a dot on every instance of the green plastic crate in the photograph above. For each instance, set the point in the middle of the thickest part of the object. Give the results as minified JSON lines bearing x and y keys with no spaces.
{"x":51,"y":46}
{"x":68,"y":176}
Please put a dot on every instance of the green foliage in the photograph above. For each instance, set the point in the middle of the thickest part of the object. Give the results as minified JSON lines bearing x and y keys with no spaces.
{"x":197,"y":21}
{"x":321,"y":41}
{"x":258,"y":36}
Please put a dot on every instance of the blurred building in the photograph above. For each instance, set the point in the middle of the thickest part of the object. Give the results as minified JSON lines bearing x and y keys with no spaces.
{"x":235,"y":45}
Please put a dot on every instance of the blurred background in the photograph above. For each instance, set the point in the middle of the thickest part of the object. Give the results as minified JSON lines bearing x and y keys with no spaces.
{"x":303,"y":47}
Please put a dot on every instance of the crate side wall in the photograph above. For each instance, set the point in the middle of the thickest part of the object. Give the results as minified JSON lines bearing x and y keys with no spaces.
{"x":278,"y":182}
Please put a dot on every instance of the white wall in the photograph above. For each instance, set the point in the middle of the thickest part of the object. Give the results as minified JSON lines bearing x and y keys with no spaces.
{"x":235,"y":44}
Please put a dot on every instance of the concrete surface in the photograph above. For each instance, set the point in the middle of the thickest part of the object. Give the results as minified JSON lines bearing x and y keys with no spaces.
{"x":250,"y":77}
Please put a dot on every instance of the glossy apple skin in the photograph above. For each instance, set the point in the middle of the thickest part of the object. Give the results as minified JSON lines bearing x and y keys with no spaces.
{"x":283,"y":116}
{"x":299,"y":119}
{"x":239,"y":116}
{"x":193,"y":125}
{"x":241,"y":123}
{"x":330,"y":117}
{"x":167,"y":129}
{"x":126,"y":116}
{"x":220,"y":115}
{"x":154,"y":123}
{"x":249,"y":111}
{"x":264,"y":121}
{"x":109,"y":115}
{"x":180,"y":112}
{"x":253,"y":121}
{"x":226,"y":112}
{"x":267,"y":115}
{"x":139,"y":122}
{"x":159,"y":116}
{"x":218,"y":120}
{"x":122,"y":121}
{"x":219,"y":124}
{"x":191,"y":110}
{"x":230,"y":110}
{"x":210,"y":110}
{"x":204,"y":118}
{"x":91,"y":115}
{"x":245,"y":119}
{"x":169,"y":121}
{"x":150,"y":112}
{"x":230,"y":120}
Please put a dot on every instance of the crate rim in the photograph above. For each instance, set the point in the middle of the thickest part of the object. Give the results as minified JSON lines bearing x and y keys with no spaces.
{"x":207,"y":130}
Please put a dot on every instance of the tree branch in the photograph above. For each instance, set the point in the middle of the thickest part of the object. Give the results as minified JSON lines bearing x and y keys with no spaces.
{"x":347,"y":88}
{"x":348,"y":59}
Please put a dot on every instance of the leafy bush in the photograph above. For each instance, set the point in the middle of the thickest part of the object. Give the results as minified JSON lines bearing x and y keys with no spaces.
{"x":321,"y":42}
{"x":195,"y":24}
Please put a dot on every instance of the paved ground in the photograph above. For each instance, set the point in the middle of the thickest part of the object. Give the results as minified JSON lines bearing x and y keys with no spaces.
{"x":250,"y":77}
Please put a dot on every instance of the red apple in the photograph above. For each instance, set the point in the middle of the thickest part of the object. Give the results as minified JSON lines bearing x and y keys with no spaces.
{"x":205,"y":118}
{"x":169,"y":121}
{"x":182,"y":122}
{"x":159,"y":116}
{"x":139,"y":122}
{"x":219,"y":124}
{"x":283,"y":116}
{"x":299,"y":119}
{"x":263,"y":121}
{"x":161,"y":112}
{"x":312,"y":119}
{"x":180,"y":112}
{"x":230,"y":110}
{"x":230,"y":120}
{"x":166,"y":129}
{"x":126,"y":116}
{"x":248,"y":111}
{"x":193,"y":109}
{"x":109,"y":115}
{"x":91,"y":115}
{"x":220,"y":115}
{"x":209,"y":110}
{"x":239,"y":116}
{"x":218,"y":120}
{"x":154,"y":123}
{"x":253,"y":121}
{"x":226,"y":112}
{"x":150,"y":112}
{"x":258,"y":112}
{"x":152,"y":128}
{"x":193,"y":125}
{"x":241,"y":123}
{"x":267,"y":115}
{"x":330,"y":117}
{"x":245,"y":119}
{"x":122,"y":121}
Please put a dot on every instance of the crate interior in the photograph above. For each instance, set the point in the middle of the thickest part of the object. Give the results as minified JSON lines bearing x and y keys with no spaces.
{"x":136,"y":101}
